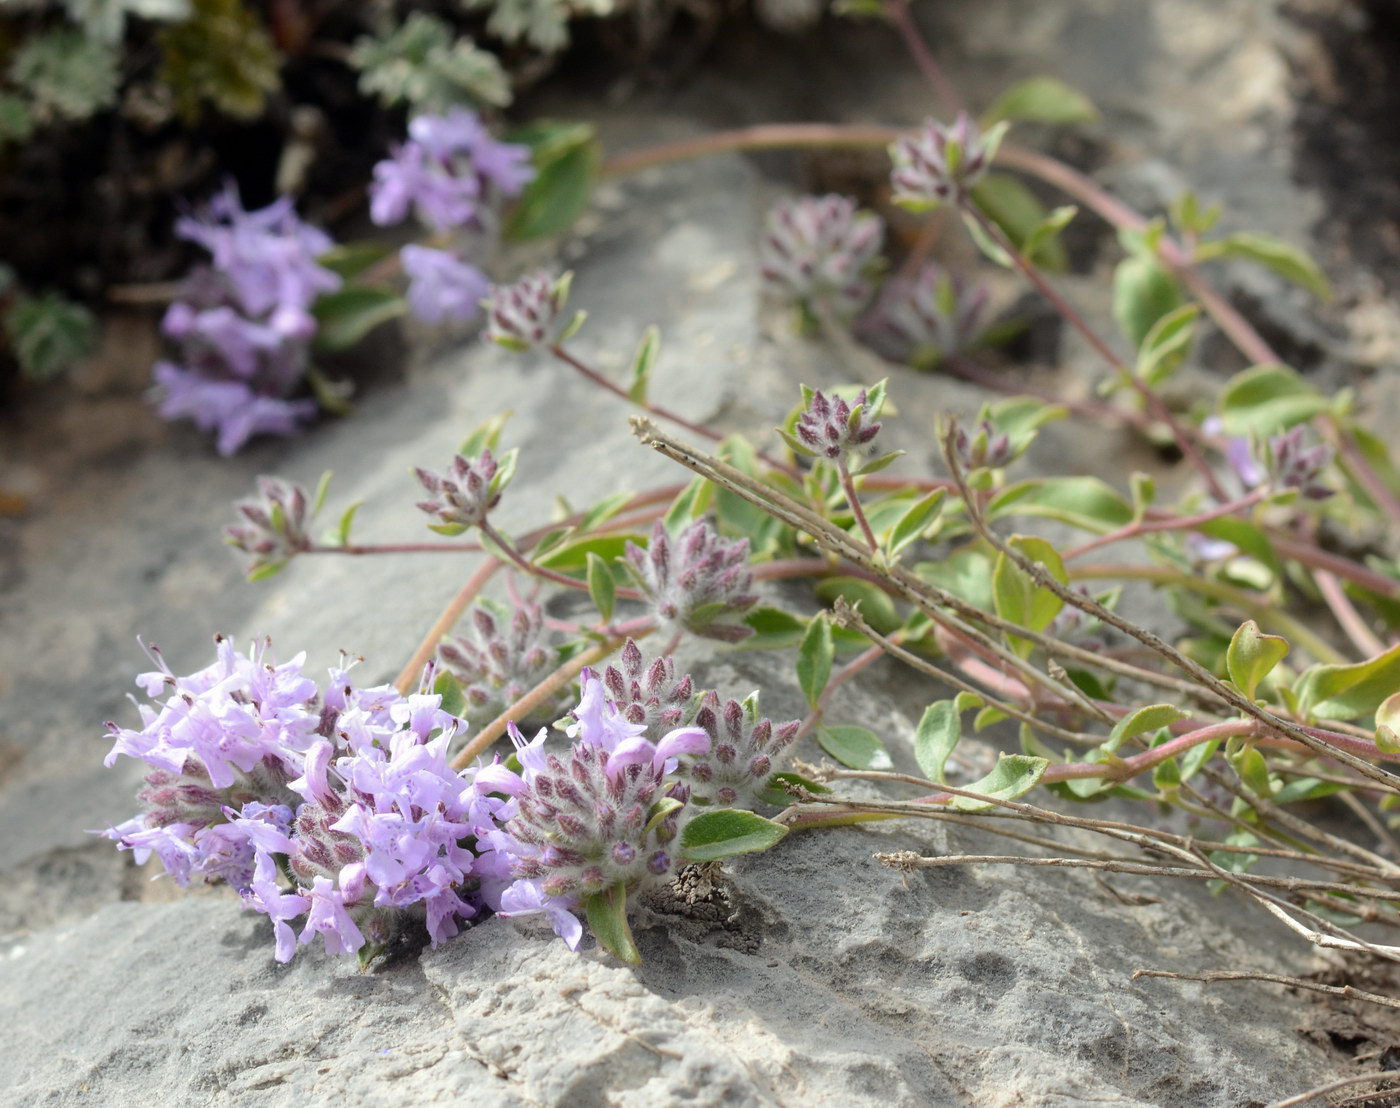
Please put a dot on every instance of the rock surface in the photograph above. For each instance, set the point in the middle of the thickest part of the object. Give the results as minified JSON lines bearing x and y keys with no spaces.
{"x":811,"y":975}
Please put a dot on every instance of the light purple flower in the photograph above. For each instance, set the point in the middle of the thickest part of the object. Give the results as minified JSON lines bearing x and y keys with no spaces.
{"x":266,"y":896}
{"x":442,"y":286}
{"x":327,"y":916}
{"x":229,"y":407}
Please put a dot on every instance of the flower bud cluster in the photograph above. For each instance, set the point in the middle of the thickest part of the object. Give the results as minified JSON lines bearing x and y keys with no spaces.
{"x":743,"y":751}
{"x":527,"y":314}
{"x":649,"y":694}
{"x":922,"y":321}
{"x":829,"y":427}
{"x":817,"y":252}
{"x":985,"y":448}
{"x":498,"y":665}
{"x":696,"y":581}
{"x":243,"y":326}
{"x":941,"y":162}
{"x":351,"y":788}
{"x":1295,"y":466}
{"x":274,"y":528}
{"x":607,"y":814}
{"x":464,"y":497}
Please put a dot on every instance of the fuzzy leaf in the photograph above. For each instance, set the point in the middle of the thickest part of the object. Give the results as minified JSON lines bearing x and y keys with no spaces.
{"x":641,"y":365}
{"x":1143,"y":293}
{"x":938,"y":733}
{"x":1252,"y":655}
{"x":1283,"y":258}
{"x":1014,"y":775}
{"x":346,"y":316}
{"x":561,"y":188}
{"x":1266,"y":399}
{"x":1041,"y":100}
{"x":814,"y":655}
{"x":774,"y":793}
{"x":1347,"y":692}
{"x":66,"y":74}
{"x":854,"y":747}
{"x":1085,"y":502}
{"x":49,"y":334}
{"x":1166,"y":345}
{"x":1149,"y":718}
{"x":601,"y":586}
{"x":1014,"y":208}
{"x":920,"y":516}
{"x":725,"y":832}
{"x":421,"y":62}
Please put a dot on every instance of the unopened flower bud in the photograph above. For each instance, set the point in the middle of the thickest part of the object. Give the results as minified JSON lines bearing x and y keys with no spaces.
{"x":527,"y":314}
{"x":696,"y":581}
{"x":942,"y":163}
{"x":1296,"y":467}
{"x":649,"y":693}
{"x":273,"y":527}
{"x":829,"y":427}
{"x":922,"y":321}
{"x":817,"y":252}
{"x":743,"y":748}
{"x":498,"y":665}
{"x":985,"y":448}
{"x":471,"y":488}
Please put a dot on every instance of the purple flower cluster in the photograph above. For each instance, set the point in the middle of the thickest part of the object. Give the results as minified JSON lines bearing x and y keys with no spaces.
{"x":453,"y":176}
{"x":243,"y":324}
{"x":498,"y":664}
{"x":606,"y":815}
{"x":829,"y":427}
{"x":472,"y":487}
{"x":255,"y":769}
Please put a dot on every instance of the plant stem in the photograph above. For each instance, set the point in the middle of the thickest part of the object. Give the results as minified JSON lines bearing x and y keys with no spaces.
{"x":397,"y":548}
{"x":897,"y":12}
{"x":848,"y":486}
{"x":526,"y":566}
{"x":1173,"y":523}
{"x":1348,"y":618}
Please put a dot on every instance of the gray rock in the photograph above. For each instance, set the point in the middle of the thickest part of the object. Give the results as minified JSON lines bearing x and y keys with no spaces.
{"x":811,"y":975}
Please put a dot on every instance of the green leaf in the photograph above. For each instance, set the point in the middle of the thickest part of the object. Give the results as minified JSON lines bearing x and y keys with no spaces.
{"x":939,"y":730}
{"x":690,"y":505}
{"x":1252,"y":655}
{"x":1388,"y":724}
{"x":814,"y":655}
{"x":1284,"y":259}
{"x":1189,"y":217}
{"x":350,"y":259}
{"x":1149,"y":718}
{"x":1166,"y":345}
{"x":344,"y":317}
{"x":1015,"y":594}
{"x":341,"y":535}
{"x":65,"y":73}
{"x":1143,"y":293}
{"x":1082,"y":501}
{"x":875,"y":604}
{"x":1266,"y":399}
{"x":1014,"y":775}
{"x":774,"y":629}
{"x":641,"y":365}
{"x":566,"y":163}
{"x":774,"y":793}
{"x":1014,"y":208}
{"x":1250,"y":539}
{"x":1047,"y":232}
{"x":422,"y":62}
{"x":659,"y":811}
{"x":1346,"y":692}
{"x":573,"y":556}
{"x":1253,"y":771}
{"x":601,"y":586}
{"x":911,"y":526}
{"x":1041,"y":100}
{"x":49,"y":334}
{"x":725,"y":832}
{"x":450,"y":689}
{"x":485,"y":436}
{"x":607,"y":919}
{"x":854,"y":747}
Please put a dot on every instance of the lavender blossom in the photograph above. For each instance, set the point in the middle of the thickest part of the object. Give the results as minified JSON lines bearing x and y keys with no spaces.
{"x":243,"y":327}
{"x":1295,"y":467}
{"x":451,"y":172}
{"x":829,"y":427}
{"x":817,"y":252}
{"x":497,"y":665}
{"x":697,"y":581}
{"x":606,"y":815}
{"x":526,"y":315}
{"x":922,"y":321}
{"x":742,"y":754}
{"x":274,"y":528}
{"x":442,"y":287}
{"x":649,"y":694}
{"x":472,"y":488}
{"x":942,"y":163}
